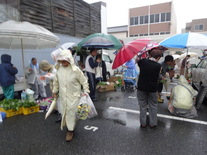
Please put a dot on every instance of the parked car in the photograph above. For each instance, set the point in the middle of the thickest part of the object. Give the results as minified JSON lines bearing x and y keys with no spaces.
{"x":198,"y":74}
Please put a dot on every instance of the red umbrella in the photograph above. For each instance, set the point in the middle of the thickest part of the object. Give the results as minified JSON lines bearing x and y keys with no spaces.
{"x":128,"y":51}
{"x":151,"y":46}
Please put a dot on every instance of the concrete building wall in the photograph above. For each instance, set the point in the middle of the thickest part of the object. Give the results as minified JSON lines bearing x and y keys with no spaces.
{"x":103,"y":9}
{"x":173,"y":23}
{"x":154,"y":28}
{"x":161,"y":27}
{"x":119,"y":35}
{"x":194,"y":26}
{"x":158,"y":8}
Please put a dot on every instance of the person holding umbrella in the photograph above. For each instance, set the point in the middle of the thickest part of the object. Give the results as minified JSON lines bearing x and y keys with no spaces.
{"x":7,"y":76}
{"x":147,"y":87}
{"x":90,"y":67}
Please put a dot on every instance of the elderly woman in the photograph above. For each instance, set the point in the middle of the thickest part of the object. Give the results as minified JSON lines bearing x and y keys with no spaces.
{"x":33,"y":73}
{"x":181,"y":100}
{"x":51,"y":71}
{"x":67,"y":84}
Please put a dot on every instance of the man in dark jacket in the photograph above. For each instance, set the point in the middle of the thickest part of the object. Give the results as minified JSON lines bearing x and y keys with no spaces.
{"x":7,"y":76}
{"x":147,"y":87}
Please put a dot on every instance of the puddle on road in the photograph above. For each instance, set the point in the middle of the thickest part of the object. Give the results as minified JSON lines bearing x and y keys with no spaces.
{"x":121,"y":118}
{"x":116,"y":121}
{"x":110,"y":99}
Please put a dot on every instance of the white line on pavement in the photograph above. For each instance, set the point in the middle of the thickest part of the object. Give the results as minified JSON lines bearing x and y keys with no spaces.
{"x":161,"y":115}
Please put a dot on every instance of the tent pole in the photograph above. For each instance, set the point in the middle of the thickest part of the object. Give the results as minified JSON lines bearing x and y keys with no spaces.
{"x":185,"y":69}
{"x":25,"y":86}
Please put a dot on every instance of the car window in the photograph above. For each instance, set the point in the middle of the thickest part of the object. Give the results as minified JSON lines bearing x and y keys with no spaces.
{"x":202,"y":64}
{"x":106,"y":58}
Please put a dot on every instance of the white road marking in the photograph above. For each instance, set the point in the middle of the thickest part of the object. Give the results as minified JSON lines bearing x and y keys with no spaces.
{"x":93,"y":128}
{"x":161,"y":115}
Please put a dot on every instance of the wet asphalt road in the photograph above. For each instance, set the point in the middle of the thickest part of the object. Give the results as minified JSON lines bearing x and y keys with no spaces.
{"x":115,"y":132}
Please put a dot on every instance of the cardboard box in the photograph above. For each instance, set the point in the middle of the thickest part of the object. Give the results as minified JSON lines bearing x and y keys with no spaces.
{"x":106,"y":88}
{"x":116,"y":79}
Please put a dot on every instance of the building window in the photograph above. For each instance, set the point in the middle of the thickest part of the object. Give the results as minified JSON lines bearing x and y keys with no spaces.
{"x":162,"y":17}
{"x":151,"y":34}
{"x":168,"y":16}
{"x":167,"y":32}
{"x":188,"y":28}
{"x":132,"y":21}
{"x":141,"y":20}
{"x":131,"y":35}
{"x":199,"y":27}
{"x":146,"y":19}
{"x":152,"y":18}
{"x":162,"y":33}
{"x":136,"y":20}
{"x":136,"y":35}
{"x":157,"y":18}
{"x":156,"y":33}
{"x":145,"y":34}
{"x":141,"y":34}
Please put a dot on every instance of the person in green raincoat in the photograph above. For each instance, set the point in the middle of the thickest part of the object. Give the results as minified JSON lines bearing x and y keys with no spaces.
{"x":181,"y":101}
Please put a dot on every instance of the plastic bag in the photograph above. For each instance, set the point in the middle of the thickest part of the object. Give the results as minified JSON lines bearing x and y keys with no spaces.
{"x":86,"y":108}
{"x":1,"y":120}
{"x":2,"y":116}
{"x":30,"y":94}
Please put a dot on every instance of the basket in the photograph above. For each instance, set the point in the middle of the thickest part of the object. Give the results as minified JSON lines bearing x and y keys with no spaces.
{"x":30,"y":110}
{"x":12,"y":112}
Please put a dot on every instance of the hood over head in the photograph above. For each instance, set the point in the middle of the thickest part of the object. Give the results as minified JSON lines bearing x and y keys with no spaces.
{"x":5,"y":58}
{"x":131,"y":64}
{"x":67,"y":56}
{"x":182,"y":80}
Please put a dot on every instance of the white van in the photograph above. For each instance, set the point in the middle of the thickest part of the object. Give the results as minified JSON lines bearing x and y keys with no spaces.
{"x":108,"y":61}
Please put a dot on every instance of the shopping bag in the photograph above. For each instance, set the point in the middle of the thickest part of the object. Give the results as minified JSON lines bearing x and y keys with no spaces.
{"x":86,"y":108}
{"x":93,"y":111}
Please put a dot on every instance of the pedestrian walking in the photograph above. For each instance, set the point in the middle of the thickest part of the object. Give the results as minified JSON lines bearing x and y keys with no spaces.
{"x":147,"y":87}
{"x":32,"y":72}
{"x":90,"y":67}
{"x":7,"y":76}
{"x":67,"y":84}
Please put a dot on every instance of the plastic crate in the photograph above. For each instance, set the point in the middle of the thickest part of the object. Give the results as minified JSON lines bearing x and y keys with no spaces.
{"x":12,"y":112}
{"x":30,"y":110}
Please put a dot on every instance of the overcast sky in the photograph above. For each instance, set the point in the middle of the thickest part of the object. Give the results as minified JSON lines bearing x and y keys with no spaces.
{"x":186,"y":10}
